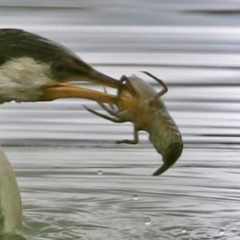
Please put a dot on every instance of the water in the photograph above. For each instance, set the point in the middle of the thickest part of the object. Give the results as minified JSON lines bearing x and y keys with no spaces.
{"x":75,"y":182}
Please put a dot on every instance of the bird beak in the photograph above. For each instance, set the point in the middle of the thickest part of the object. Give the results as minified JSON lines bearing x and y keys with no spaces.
{"x":80,"y":71}
{"x":61,"y":90}
{"x":91,"y":75}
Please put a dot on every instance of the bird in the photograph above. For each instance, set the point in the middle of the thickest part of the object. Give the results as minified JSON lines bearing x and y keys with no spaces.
{"x":10,"y":199}
{"x":32,"y":69}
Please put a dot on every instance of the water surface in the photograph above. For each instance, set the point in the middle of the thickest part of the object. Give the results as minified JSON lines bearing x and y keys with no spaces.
{"x":75,"y":182}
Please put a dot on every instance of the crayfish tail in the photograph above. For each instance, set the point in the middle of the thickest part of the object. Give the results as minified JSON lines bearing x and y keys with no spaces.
{"x":161,"y":170}
{"x":170,"y":156}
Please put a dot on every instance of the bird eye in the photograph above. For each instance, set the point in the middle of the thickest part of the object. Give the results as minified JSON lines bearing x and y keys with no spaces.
{"x":60,"y":67}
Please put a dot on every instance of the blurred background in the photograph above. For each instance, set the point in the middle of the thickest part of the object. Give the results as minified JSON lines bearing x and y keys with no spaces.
{"x":75,"y":182}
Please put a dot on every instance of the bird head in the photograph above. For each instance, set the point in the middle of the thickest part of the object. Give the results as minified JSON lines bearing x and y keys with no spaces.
{"x":33,"y":68}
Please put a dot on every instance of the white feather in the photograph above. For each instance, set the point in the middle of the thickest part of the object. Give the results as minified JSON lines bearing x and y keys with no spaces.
{"x":10,"y":201}
{"x":21,"y":79}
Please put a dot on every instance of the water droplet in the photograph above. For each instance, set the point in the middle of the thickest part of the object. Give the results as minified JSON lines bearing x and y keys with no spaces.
{"x":147,"y":221}
{"x":100,"y":172}
{"x":222,"y":232}
{"x":135,"y":197}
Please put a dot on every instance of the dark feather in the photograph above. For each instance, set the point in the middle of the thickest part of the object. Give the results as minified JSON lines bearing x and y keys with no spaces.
{"x":15,"y":43}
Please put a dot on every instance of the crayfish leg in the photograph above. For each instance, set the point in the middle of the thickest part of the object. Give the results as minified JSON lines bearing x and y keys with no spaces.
{"x":135,"y":140}
{"x":163,"y":91}
{"x":110,"y":105}
{"x":109,"y":108}
{"x":116,"y":120}
{"x":130,"y":88}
